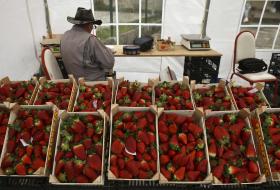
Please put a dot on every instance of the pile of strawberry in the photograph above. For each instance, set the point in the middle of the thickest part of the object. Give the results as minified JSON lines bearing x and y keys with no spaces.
{"x":92,"y":98}
{"x":58,"y":93}
{"x":271,"y":130}
{"x":173,"y":96}
{"x":246,"y":99}
{"x":132,"y":94}
{"x":4,"y":118}
{"x":134,"y":145}
{"x":19,"y":92}
{"x":214,"y":98}
{"x":182,"y":148}
{"x":28,"y":140}
{"x":79,"y":154}
{"x":232,"y":154}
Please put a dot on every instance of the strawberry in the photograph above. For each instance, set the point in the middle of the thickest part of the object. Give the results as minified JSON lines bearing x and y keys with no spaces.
{"x":174,"y":144}
{"x":221,"y":134}
{"x":193,"y":175}
{"x":165,"y":173}
{"x":150,"y":117}
{"x":87,"y":143}
{"x":79,"y":151}
{"x":164,"y":159}
{"x":125,"y":174}
{"x":133,"y":167}
{"x":144,"y":165}
{"x":121,"y":163}
{"x":7,"y":160}
{"x":179,"y":174}
{"x":250,"y":151}
{"x":26,"y":159}
{"x":212,"y":149}
{"x":94,"y":161}
{"x":163,"y":137}
{"x":20,"y":169}
{"x":202,"y":166}
{"x":78,"y":127}
{"x":153,"y":165}
{"x":82,"y":179}
{"x":115,"y":171}
{"x":117,"y":147}
{"x":130,"y":145}
{"x":144,"y":174}
{"x":182,"y":137}
{"x":277,"y":153}
{"x":142,"y":136}
{"x":172,"y":129}
{"x":59,"y":166}
{"x":90,"y":173}
{"x":11,"y":145}
{"x":141,"y":147}
{"x":253,"y":167}
{"x":251,"y":177}
{"x":141,"y":123}
{"x":218,"y":171}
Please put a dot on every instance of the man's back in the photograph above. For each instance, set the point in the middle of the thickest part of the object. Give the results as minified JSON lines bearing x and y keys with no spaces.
{"x":84,"y":55}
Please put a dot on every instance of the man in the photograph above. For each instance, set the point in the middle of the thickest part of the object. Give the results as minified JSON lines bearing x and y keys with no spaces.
{"x":82,"y":53}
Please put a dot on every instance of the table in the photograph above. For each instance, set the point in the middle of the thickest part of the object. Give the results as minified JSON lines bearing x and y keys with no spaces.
{"x":202,"y":66}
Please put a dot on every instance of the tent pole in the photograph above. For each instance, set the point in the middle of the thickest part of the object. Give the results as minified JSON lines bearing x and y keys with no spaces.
{"x":205,"y":18}
{"x":47,"y":17}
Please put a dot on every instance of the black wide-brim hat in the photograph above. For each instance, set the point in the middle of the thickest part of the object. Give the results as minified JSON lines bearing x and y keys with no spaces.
{"x":83,"y":16}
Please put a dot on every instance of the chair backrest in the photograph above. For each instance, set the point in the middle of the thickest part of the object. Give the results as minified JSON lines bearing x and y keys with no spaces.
{"x":244,"y":46}
{"x":50,"y":66}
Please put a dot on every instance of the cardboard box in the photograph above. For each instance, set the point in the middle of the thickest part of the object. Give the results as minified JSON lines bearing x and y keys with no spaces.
{"x":257,"y":89}
{"x":73,"y":91}
{"x":64,"y":115}
{"x":260,"y":142}
{"x":197,"y":116}
{"x":244,"y":113}
{"x":185,"y":81}
{"x":6,"y":80}
{"x":115,"y":109}
{"x":221,"y":84}
{"x":43,"y":171}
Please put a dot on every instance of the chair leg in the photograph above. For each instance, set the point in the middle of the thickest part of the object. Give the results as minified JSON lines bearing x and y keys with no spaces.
{"x":275,"y":92}
{"x":231,"y":76}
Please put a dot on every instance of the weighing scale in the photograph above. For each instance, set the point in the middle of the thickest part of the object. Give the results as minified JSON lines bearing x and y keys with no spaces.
{"x":195,"y":42}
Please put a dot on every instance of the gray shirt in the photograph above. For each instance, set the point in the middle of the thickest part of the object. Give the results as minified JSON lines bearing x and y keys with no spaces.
{"x":84,"y":55}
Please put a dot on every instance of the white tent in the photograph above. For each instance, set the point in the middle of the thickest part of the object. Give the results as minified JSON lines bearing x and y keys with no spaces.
{"x":23,"y":25}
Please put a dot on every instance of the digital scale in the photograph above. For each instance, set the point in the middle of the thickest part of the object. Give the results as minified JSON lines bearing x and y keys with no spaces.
{"x":195,"y":42}
{"x":199,"y":42}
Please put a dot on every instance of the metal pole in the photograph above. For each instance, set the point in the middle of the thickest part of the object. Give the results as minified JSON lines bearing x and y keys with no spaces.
{"x":47,"y":17}
{"x":205,"y":18}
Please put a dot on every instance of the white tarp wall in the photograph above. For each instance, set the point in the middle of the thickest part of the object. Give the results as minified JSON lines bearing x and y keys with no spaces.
{"x":21,"y":30}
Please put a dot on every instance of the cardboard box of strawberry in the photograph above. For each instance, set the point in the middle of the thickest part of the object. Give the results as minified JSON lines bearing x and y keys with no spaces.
{"x":247,"y":96}
{"x":174,"y":95}
{"x":4,"y":119}
{"x":231,"y":148}
{"x":79,"y":153}
{"x":134,"y":94}
{"x":133,"y":153}
{"x":266,"y":122}
{"x":21,"y":92}
{"x":95,"y":95}
{"x":28,"y":145}
{"x":214,"y":97}
{"x":60,"y":92}
{"x":183,"y":153}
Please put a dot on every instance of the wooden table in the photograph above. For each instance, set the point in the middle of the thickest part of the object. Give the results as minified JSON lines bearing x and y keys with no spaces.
{"x":199,"y":65}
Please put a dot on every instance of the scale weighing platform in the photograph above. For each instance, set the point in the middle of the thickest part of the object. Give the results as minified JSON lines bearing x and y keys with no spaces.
{"x":195,"y":42}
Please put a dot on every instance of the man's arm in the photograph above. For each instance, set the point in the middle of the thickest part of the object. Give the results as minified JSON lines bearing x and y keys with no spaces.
{"x":102,"y":55}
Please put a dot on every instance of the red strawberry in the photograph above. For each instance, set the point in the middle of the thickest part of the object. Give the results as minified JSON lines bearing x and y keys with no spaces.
{"x":82,"y":179}
{"x":38,"y":163}
{"x":182,"y":137}
{"x":144,"y":174}
{"x":133,"y":167}
{"x":125,"y":174}
{"x":250,"y":151}
{"x":142,"y":136}
{"x":163,"y":137}
{"x":218,"y":171}
{"x":11,"y":145}
{"x":87,"y":143}
{"x":79,"y":151}
{"x":172,"y":129}
{"x":7,"y":160}
{"x":59,"y":166}
{"x":144,"y":165}
{"x":115,"y":171}
{"x":121,"y":163}
{"x":221,"y":134}
{"x":232,"y":170}
{"x":251,"y":177}
{"x":141,"y":147}
{"x":153,"y":153}
{"x":202,"y":166}
{"x":179,"y":174}
{"x":20,"y":169}
{"x":164,"y":159}
{"x":26,"y":159}
{"x":253,"y":167}
{"x":193,"y":175}
{"x":130,"y":145}
{"x":277,"y":153}
{"x":150,"y":117}
{"x":165,"y":173}
{"x":94,"y":161}
{"x":141,"y":123}
{"x":153,"y":165}
{"x":78,"y":127}
{"x":152,"y":137}
{"x":195,"y":129}
{"x":117,"y":147}
{"x":90,"y":173}
{"x":173,"y":143}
